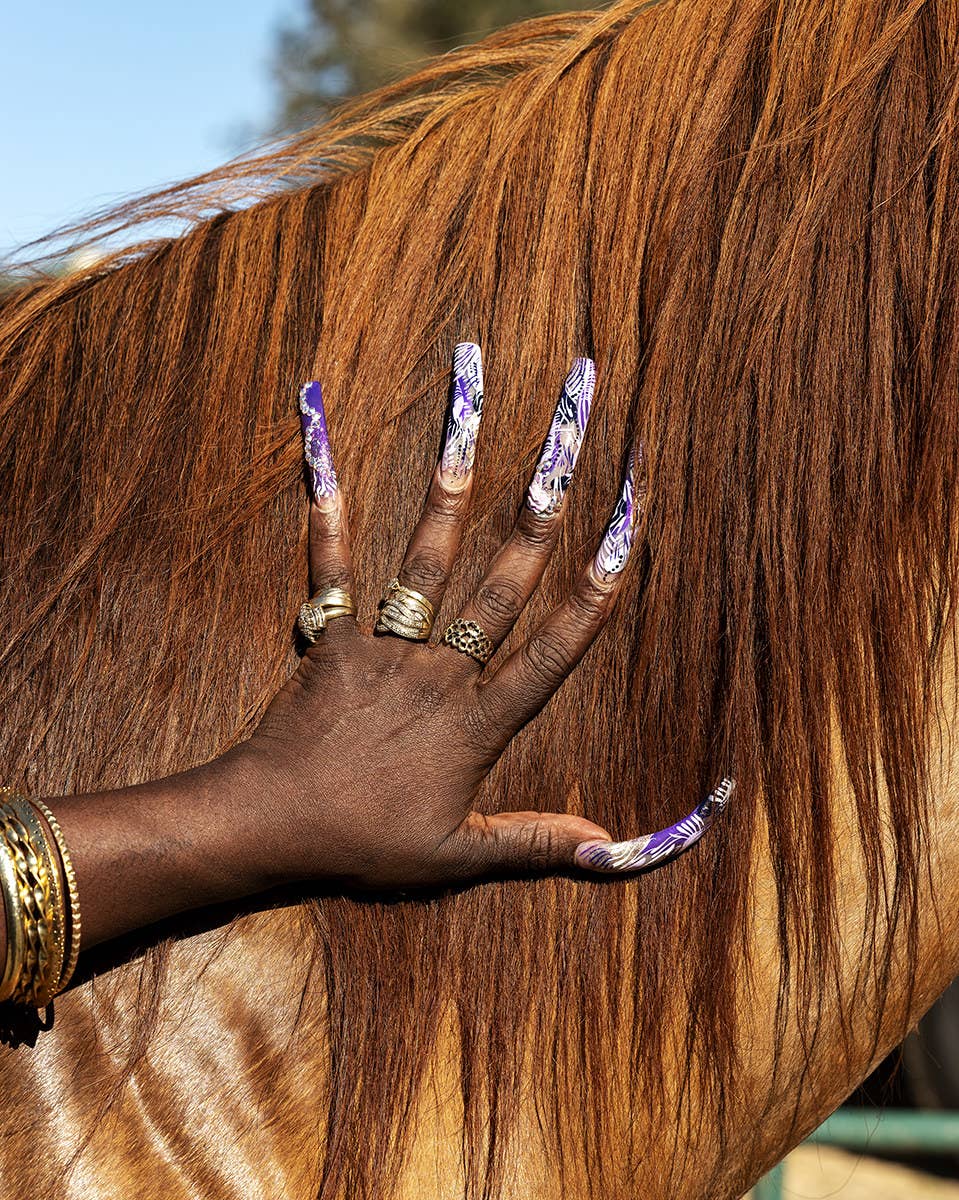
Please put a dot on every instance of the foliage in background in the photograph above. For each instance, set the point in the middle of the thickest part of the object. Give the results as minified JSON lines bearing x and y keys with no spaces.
{"x":340,"y":48}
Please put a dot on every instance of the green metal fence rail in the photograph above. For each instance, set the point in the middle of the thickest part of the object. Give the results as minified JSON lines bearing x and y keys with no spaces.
{"x":890,"y":1129}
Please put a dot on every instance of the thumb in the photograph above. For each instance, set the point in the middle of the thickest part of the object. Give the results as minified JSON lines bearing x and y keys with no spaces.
{"x":519,"y":841}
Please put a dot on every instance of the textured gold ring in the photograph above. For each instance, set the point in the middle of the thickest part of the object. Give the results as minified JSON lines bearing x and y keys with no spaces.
{"x":469,"y":638}
{"x":323,"y":607}
{"x":405,"y":612}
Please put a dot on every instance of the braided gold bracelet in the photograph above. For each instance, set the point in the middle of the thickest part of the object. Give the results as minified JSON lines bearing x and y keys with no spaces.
{"x":33,"y":885}
{"x":16,"y":946}
{"x":42,"y":908}
{"x":47,"y":984}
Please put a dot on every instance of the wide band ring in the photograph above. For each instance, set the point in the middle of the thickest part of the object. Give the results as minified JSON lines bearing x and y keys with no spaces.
{"x":469,"y":638}
{"x":335,"y":602}
{"x":405,"y":612}
{"x":321,"y":608}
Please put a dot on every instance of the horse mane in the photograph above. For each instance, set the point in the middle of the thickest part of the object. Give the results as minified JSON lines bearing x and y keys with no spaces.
{"x":745,"y":212}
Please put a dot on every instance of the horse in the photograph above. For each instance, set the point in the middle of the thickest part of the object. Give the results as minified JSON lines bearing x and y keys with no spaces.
{"x":744,"y":212}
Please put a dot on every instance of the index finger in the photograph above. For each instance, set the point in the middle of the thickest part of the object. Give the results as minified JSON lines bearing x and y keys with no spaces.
{"x":330,"y":565}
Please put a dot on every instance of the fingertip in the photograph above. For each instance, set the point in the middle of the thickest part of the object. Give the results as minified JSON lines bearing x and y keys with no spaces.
{"x":464,"y":412}
{"x":593,"y":855}
{"x":316,"y":442}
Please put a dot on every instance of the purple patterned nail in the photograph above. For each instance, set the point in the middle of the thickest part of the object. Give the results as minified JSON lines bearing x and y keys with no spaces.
{"x":618,"y":538}
{"x":466,"y":406}
{"x":316,"y":442}
{"x":563,"y":442}
{"x":656,"y":849}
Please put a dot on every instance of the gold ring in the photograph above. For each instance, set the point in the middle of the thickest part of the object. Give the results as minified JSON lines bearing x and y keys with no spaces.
{"x":405,"y":612}
{"x":469,"y":638}
{"x":321,"y":608}
{"x":335,"y":602}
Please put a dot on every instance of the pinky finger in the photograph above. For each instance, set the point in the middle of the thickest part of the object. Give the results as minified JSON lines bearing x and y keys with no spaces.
{"x":531,"y":674}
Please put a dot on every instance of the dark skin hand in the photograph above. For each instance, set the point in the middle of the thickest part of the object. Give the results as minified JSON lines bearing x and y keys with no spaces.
{"x":365,"y":767}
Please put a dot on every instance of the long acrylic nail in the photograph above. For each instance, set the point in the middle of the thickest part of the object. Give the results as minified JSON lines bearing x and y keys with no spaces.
{"x":462,"y":423}
{"x":316,"y":443}
{"x":656,"y":849}
{"x":561,"y":448}
{"x":618,"y":539}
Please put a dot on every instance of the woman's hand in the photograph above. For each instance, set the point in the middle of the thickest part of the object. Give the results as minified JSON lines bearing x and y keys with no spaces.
{"x":365,"y":767}
{"x":373,"y":752}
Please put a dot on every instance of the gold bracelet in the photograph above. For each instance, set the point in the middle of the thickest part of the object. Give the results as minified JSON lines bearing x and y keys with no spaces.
{"x":47,"y":985}
{"x":73,"y":953}
{"x":37,"y":916}
{"x":16,"y":947}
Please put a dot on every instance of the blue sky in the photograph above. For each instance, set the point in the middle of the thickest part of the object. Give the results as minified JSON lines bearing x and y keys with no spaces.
{"x":103,"y":98}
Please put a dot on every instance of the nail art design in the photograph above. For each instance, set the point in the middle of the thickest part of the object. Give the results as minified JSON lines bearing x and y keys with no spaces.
{"x":656,"y":849}
{"x":466,"y":406}
{"x":316,"y":441}
{"x":618,"y":538}
{"x":563,"y":442}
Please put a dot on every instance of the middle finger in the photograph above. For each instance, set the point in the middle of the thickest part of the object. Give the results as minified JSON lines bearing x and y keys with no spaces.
{"x":432,"y":548}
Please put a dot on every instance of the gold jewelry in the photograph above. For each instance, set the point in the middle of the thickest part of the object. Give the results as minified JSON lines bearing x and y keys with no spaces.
{"x":469,"y":638}
{"x":311,"y":620}
{"x":46,"y":986}
{"x":40,"y":963}
{"x":323,"y":607}
{"x":405,"y":612}
{"x":33,"y":883}
{"x":335,"y":602}
{"x":16,"y":946}
{"x":73,"y":952}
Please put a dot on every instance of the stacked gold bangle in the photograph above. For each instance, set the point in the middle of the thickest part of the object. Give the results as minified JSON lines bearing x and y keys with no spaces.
{"x":40,"y":901}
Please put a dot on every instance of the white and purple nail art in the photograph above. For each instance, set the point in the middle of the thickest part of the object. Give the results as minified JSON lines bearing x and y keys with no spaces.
{"x":618,"y":539}
{"x":561,"y":448}
{"x":316,"y":442}
{"x":656,"y":849}
{"x":466,"y":407}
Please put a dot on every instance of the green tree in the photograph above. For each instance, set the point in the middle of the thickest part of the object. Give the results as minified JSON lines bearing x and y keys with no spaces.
{"x":340,"y":48}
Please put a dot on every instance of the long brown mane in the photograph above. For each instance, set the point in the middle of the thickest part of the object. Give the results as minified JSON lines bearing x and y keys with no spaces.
{"x":745,"y":211}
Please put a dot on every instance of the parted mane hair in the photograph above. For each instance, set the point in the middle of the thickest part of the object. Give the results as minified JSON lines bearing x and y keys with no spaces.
{"x":745,"y":211}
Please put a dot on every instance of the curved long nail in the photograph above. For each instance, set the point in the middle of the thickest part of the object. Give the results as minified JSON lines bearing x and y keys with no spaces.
{"x":554,"y":472}
{"x":465,"y":410}
{"x":316,"y":444}
{"x":656,"y":849}
{"x":618,"y":539}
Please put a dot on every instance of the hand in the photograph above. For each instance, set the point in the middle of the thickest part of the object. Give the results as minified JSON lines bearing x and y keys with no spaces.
{"x":373,"y":752}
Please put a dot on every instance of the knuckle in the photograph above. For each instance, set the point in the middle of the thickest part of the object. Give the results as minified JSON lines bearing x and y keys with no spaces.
{"x":536,"y":532}
{"x":445,"y":507}
{"x":330,"y":526}
{"x":500,"y":600}
{"x":479,"y":727}
{"x":547,"y":657}
{"x":424,"y":570}
{"x":541,"y":846}
{"x":334,"y":575}
{"x":588,"y":602}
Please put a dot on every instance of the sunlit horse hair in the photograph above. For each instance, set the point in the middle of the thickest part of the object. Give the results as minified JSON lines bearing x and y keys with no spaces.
{"x":745,"y":211}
